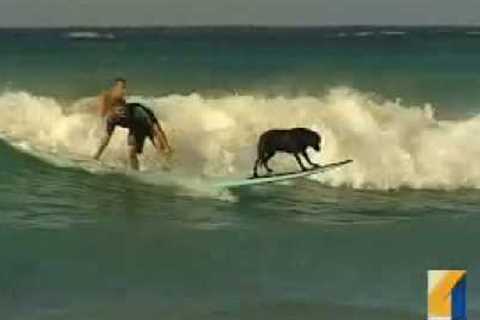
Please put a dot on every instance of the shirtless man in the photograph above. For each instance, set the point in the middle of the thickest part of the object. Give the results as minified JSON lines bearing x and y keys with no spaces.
{"x":140,"y":121}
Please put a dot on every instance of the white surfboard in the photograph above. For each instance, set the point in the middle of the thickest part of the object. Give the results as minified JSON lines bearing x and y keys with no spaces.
{"x":282,"y":176}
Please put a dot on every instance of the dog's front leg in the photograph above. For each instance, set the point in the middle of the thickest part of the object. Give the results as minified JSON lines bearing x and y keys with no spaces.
{"x":299,"y":161}
{"x":305,"y":155}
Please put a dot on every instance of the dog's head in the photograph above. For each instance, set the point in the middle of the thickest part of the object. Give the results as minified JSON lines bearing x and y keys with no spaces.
{"x":315,"y":141}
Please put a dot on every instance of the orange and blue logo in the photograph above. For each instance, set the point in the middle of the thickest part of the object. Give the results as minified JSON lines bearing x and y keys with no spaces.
{"x":447,"y":295}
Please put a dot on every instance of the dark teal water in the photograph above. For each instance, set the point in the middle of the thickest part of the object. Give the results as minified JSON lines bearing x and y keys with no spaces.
{"x":77,"y":244}
{"x":436,"y":65}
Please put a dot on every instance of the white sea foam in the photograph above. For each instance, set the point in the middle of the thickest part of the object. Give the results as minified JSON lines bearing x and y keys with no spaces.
{"x":364,"y":33}
{"x":89,"y":35}
{"x":393,"y":33}
{"x":393,"y":145}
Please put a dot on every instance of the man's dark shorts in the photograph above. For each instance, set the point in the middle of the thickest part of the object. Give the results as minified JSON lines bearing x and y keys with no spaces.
{"x":140,"y":122}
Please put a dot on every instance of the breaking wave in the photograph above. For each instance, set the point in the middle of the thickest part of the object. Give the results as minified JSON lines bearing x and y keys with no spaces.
{"x":393,"y":145}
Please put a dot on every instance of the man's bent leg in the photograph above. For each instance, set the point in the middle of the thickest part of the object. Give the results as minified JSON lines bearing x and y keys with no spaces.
{"x":132,"y":155}
{"x":154,"y":131}
{"x":132,"y":150}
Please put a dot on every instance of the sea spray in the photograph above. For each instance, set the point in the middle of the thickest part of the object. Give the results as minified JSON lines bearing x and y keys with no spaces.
{"x":393,"y":145}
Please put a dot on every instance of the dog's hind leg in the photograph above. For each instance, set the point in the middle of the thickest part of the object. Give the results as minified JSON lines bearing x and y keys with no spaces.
{"x":265,"y":160}
{"x":299,"y":161}
{"x":260,"y":156}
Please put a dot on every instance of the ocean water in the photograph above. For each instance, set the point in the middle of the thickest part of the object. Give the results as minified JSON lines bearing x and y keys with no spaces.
{"x":87,"y":240}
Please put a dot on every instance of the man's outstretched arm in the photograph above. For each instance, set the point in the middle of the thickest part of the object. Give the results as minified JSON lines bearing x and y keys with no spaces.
{"x":103,"y":144}
{"x":162,"y":138}
{"x":103,"y":111}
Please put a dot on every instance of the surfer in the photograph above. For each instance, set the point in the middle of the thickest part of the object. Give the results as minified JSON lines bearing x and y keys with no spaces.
{"x":140,"y":121}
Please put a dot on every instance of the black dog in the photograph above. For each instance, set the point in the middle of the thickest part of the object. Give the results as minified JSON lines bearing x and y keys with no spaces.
{"x":295,"y":141}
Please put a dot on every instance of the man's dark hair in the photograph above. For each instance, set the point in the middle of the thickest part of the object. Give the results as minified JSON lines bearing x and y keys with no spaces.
{"x":117,"y":80}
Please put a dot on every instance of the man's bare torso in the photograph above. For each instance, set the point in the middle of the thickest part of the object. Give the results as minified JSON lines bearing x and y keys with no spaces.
{"x":111,"y":106}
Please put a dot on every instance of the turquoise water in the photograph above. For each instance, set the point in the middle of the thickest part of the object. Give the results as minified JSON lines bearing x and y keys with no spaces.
{"x":84,"y":240}
{"x":436,"y":65}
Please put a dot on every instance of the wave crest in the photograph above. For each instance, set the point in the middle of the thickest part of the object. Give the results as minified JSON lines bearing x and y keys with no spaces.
{"x":393,"y":145}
